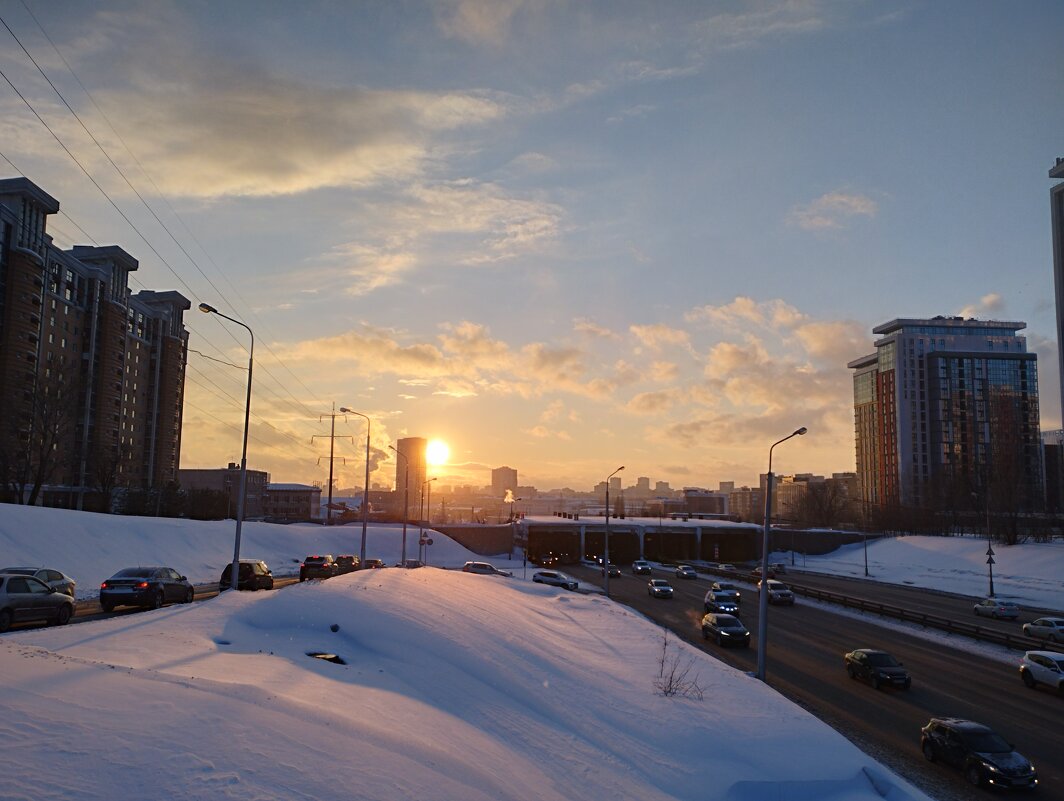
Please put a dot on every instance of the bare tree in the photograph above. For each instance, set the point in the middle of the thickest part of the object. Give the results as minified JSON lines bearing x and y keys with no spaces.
{"x":674,"y":673}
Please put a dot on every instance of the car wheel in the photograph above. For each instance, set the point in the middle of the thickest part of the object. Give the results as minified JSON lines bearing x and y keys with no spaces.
{"x":190,"y":593}
{"x":157,"y":600}
{"x":705,"y":634}
{"x":1028,"y":679}
{"x":974,"y":774}
{"x":5,"y":620}
{"x":929,"y":751}
{"x":908,"y":683}
{"x":63,"y":615}
{"x":851,"y":672}
{"x":107,"y":607}
{"x":1060,"y":687}
{"x":720,"y":641}
{"x":875,"y":682}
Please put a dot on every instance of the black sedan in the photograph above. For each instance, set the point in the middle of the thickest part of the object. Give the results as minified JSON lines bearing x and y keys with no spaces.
{"x":24,"y":599}
{"x":149,"y":587}
{"x":254,"y":575}
{"x":878,"y":668}
{"x":725,"y":630}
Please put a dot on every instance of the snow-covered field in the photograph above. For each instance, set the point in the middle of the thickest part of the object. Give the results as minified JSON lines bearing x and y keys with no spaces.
{"x":456,"y":687}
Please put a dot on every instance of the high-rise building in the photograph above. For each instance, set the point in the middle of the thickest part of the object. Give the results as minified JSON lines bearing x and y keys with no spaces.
{"x":947,"y":405}
{"x":92,"y":376}
{"x":503,"y":479}
{"x":412,"y":449}
{"x":1056,"y":216}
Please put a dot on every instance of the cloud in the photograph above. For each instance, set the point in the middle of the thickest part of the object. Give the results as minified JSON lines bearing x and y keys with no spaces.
{"x":834,"y":342}
{"x":651,"y":402}
{"x":772,"y":314}
{"x":480,"y":21}
{"x":590,"y":328}
{"x":772,"y":21}
{"x":657,"y":335}
{"x":987,"y":307}
{"x":831,"y":211}
{"x":664,"y":371}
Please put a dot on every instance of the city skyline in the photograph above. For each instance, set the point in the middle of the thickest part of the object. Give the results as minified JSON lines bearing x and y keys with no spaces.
{"x":560,"y":238}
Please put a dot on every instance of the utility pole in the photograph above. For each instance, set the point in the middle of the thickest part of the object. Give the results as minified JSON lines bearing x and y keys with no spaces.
{"x":332,"y":441}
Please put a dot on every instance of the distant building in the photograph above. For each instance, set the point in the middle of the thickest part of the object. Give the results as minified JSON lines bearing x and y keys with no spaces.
{"x":227,"y":480}
{"x":503,"y":479}
{"x":947,"y":405}
{"x":1053,"y":450}
{"x":1056,"y":216}
{"x":747,"y":504}
{"x":412,"y":449}
{"x":293,"y":502}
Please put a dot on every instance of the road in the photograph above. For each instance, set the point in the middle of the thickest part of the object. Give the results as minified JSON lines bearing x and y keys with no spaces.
{"x":804,"y":661}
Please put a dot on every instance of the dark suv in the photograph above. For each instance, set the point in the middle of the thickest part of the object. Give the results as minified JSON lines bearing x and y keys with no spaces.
{"x":254,"y":575}
{"x":983,"y":755}
{"x":318,"y":567}
{"x":347,"y":564}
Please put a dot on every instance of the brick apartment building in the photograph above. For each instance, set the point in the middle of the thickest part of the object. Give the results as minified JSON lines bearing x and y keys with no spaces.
{"x":92,"y":376}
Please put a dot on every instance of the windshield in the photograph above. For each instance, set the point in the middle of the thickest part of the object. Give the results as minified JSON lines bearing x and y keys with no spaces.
{"x":882,"y":660}
{"x":728,"y":622}
{"x":986,"y":742}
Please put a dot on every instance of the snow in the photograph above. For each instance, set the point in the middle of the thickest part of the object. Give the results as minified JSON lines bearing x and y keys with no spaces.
{"x":456,"y":687}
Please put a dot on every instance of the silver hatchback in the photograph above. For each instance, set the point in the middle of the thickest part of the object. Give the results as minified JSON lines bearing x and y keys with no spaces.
{"x":25,"y":599}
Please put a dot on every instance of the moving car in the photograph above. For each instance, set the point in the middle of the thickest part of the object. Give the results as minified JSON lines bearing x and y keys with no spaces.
{"x":484,"y":569}
{"x":25,"y":599}
{"x":983,"y":755}
{"x":721,"y":601}
{"x":150,"y":587}
{"x":373,"y":564}
{"x":254,"y":575}
{"x":555,"y":578}
{"x":641,"y":566}
{"x":726,"y":589}
{"x":347,"y":564}
{"x":615,"y":572}
{"x":725,"y":630}
{"x":1046,"y":628}
{"x":318,"y":567}
{"x":53,"y":578}
{"x":686,"y":572}
{"x":1043,"y":667}
{"x":659,"y":588}
{"x":878,"y":668}
{"x":756,"y":572}
{"x":999,"y":610}
{"x":778,"y":592}
{"x":726,"y":567}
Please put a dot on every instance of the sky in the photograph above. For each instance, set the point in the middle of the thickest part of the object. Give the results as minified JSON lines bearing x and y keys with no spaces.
{"x":558,"y":236}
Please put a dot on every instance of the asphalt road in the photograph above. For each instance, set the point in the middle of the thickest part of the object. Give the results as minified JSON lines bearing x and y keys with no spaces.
{"x":804,"y":662}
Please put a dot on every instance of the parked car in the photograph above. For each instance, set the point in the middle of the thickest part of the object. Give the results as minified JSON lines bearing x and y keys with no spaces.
{"x":1043,"y":667}
{"x":347,"y":564}
{"x":25,"y":599}
{"x":150,"y":587}
{"x":725,"y":630}
{"x":778,"y":592}
{"x":555,"y":578}
{"x":373,"y":564}
{"x":659,"y":588}
{"x":485,"y":569}
{"x":254,"y":575}
{"x":318,"y":566}
{"x":53,"y":578}
{"x":641,"y":566}
{"x":615,"y":572}
{"x":999,"y":610}
{"x":1046,"y":628}
{"x":878,"y":668}
{"x":721,"y":601}
{"x":984,"y":756}
{"x":686,"y":572}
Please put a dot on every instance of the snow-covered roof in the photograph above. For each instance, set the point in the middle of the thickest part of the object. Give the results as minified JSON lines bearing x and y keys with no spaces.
{"x":292,"y":488}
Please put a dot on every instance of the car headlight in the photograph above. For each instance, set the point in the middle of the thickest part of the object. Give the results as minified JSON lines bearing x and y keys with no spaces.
{"x":992,"y":767}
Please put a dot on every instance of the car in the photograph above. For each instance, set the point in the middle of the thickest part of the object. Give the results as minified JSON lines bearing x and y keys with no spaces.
{"x":347,"y":563}
{"x":725,"y":566}
{"x":615,"y":572}
{"x":555,"y":578}
{"x":26,"y":599}
{"x":659,"y":588}
{"x":373,"y":564}
{"x":726,"y":589}
{"x":721,"y":601}
{"x":779,"y":568}
{"x":254,"y":575}
{"x":983,"y":754}
{"x":1046,"y":628}
{"x":686,"y":572}
{"x":149,"y":587}
{"x":318,"y":566}
{"x":878,"y":668}
{"x":999,"y":610}
{"x":778,"y":592}
{"x":641,"y":566}
{"x":1043,"y":667}
{"x":485,"y":569}
{"x":756,"y":572}
{"x":53,"y":578}
{"x":725,"y":629}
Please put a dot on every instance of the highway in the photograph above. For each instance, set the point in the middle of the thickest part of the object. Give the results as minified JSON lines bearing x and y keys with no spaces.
{"x":804,"y":661}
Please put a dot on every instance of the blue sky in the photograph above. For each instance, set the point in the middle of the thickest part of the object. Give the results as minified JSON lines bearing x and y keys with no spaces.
{"x":560,"y":236}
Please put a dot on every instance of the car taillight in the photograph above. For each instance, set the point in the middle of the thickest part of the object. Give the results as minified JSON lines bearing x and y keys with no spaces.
{"x":103,"y":586}
{"x":143,"y":585}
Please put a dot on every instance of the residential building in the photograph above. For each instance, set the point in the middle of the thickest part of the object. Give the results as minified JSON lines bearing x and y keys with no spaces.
{"x":91,"y":375}
{"x":1053,"y":454}
{"x":412,"y":464}
{"x":227,"y":480}
{"x":947,"y":406}
{"x":748,"y":504}
{"x":503,"y":480}
{"x":1056,"y":217}
{"x":293,"y":502}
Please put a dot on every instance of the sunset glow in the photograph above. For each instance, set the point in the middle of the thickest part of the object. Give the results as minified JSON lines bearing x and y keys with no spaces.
{"x":437,"y":452}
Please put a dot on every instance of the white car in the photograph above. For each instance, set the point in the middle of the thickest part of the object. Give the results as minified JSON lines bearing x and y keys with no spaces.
{"x":555,"y":578}
{"x":1046,"y":628}
{"x":778,"y":592}
{"x":1043,"y":667}
{"x":686,"y":572}
{"x":485,"y":569}
{"x":53,"y":578}
{"x":996,"y":609}
{"x":659,"y":588}
{"x":641,"y":566}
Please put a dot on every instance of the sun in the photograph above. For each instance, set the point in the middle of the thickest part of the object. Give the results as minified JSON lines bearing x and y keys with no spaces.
{"x":437,"y":452}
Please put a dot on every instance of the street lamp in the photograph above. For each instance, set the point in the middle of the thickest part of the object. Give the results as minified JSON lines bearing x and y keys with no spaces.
{"x":606,"y":547}
{"x":513,"y":522}
{"x":365,"y":488}
{"x":426,"y":506}
{"x":234,"y":576}
{"x":762,"y":607}
{"x":406,"y":497}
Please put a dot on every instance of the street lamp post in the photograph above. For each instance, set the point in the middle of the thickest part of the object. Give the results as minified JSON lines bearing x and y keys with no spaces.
{"x":234,"y":575}
{"x":989,"y":547}
{"x":365,"y":487}
{"x":513,"y":523}
{"x":426,"y":513}
{"x":762,"y":622}
{"x":406,"y":498}
{"x":606,"y":547}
